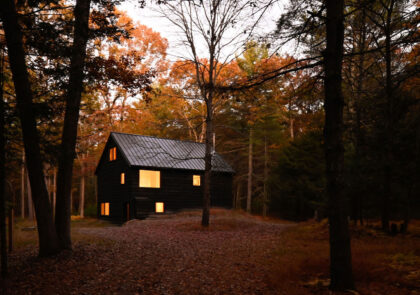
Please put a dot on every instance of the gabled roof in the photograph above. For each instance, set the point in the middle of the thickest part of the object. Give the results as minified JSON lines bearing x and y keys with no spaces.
{"x":148,"y":151}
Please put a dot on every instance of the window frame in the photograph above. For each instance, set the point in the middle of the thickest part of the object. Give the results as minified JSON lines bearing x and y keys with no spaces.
{"x":150,"y":171}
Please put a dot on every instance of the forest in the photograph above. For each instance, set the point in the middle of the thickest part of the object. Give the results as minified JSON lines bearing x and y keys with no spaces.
{"x":319,"y":118}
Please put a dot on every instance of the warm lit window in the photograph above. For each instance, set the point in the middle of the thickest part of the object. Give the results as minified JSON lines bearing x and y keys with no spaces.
{"x":113,"y":154}
{"x":122,"y":178}
{"x":149,"y":178}
{"x":159,"y":207}
{"x":196,"y":180}
{"x":105,"y":209}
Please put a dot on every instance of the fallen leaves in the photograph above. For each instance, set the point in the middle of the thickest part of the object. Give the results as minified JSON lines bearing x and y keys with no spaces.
{"x":162,"y":256}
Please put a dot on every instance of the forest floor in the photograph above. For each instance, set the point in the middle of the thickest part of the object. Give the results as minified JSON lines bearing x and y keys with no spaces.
{"x":237,"y":254}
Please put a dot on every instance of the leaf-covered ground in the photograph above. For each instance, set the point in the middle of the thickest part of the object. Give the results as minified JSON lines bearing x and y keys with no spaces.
{"x":162,"y":256}
{"x":238,"y":254}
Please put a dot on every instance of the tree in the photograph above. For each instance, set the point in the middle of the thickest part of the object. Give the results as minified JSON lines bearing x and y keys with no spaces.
{"x":248,"y":64}
{"x":340,"y":252}
{"x":25,"y":97}
{"x":48,"y":241}
{"x":211,"y":22}
{"x":2,"y":170}
{"x":398,"y":26}
{"x":71,"y":119}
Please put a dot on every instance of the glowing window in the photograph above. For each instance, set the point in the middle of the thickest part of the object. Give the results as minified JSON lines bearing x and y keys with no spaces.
{"x":122,"y":178}
{"x":149,"y":178}
{"x":159,"y":207}
{"x":196,"y":180}
{"x":113,"y":154}
{"x":105,"y":209}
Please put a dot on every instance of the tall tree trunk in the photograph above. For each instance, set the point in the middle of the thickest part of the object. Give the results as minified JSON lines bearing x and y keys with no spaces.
{"x":205,"y":220}
{"x":265,"y":193}
{"x":71,"y":118}
{"x":291,"y":121}
{"x":2,"y":173}
{"x":22,"y":188}
{"x":250,"y":171}
{"x":48,"y":243}
{"x":237,"y":202}
{"x":29,"y":195}
{"x":359,"y":141}
{"x":82,"y":197}
{"x":389,"y":125}
{"x":11,"y":227}
{"x":54,"y":194}
{"x":292,"y":130}
{"x":340,"y":251}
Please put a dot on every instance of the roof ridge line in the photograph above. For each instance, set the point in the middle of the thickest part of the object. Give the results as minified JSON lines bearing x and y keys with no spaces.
{"x":152,"y":136}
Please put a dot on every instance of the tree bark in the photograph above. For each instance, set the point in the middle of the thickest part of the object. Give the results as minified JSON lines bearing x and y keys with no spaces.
{"x":71,"y":118}
{"x":292,"y":130}
{"x":54,"y":194}
{"x":46,"y":230}
{"x":2,"y":174}
{"x":265,"y":193}
{"x":361,"y":44}
{"x":250,"y":171}
{"x":340,"y":251}
{"x":22,"y":188}
{"x":389,"y":123}
{"x":205,"y":220}
{"x":82,"y":197}
{"x":29,"y":195}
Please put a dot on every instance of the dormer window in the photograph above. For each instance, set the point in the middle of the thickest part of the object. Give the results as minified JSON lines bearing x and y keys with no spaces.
{"x":113,"y":154}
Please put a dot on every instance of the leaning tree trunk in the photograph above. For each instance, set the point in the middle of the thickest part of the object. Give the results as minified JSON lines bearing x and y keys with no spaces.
{"x":71,"y":119}
{"x":48,"y":243}
{"x":340,"y":251}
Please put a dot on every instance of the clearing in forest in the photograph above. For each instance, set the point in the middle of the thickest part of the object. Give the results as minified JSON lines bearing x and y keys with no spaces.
{"x":238,"y":254}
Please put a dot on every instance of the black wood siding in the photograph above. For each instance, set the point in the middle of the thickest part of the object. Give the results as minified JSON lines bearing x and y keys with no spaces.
{"x":109,"y":187}
{"x":176,"y":189}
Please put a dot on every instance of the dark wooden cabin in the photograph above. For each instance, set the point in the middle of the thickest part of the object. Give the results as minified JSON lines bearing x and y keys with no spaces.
{"x":142,"y":175}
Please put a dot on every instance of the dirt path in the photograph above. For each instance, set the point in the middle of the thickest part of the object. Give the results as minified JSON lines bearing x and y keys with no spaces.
{"x":164,"y":256}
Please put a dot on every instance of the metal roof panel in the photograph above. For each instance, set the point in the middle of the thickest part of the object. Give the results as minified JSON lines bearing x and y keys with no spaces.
{"x":149,"y":151}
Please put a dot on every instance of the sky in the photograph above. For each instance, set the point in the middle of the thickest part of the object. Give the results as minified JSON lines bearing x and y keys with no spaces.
{"x":150,"y":17}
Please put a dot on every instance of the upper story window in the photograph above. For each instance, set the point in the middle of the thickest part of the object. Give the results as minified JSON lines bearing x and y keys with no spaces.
{"x":122,"y":178}
{"x":113,"y":154}
{"x":196,"y":180}
{"x":149,"y":178}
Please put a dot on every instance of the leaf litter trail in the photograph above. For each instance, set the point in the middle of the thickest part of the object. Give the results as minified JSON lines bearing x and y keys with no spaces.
{"x":170,"y":256}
